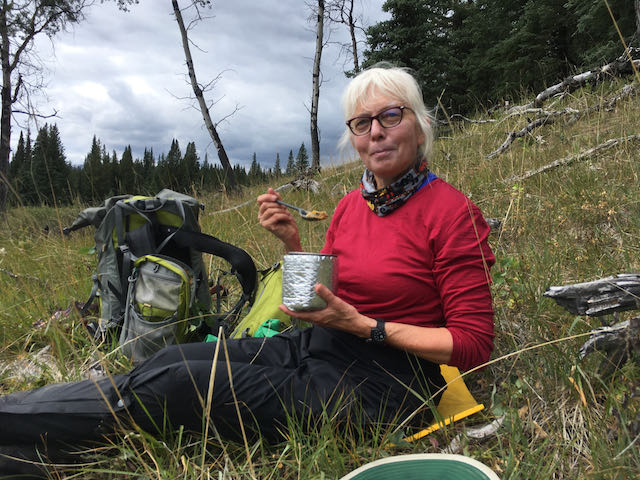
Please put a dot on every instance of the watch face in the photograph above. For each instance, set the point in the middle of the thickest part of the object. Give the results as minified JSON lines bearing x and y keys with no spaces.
{"x":377,"y":336}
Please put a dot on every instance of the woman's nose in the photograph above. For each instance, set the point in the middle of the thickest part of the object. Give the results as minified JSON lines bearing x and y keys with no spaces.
{"x":377,"y":129}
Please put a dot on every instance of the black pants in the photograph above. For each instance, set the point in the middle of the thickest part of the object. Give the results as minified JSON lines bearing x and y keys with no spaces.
{"x":299,"y":374}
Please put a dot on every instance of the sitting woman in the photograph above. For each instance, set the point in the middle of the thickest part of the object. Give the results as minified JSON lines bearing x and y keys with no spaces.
{"x":413,"y":292}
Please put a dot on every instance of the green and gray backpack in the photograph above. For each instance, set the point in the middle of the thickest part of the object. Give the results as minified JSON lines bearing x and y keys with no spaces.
{"x":151,"y":283}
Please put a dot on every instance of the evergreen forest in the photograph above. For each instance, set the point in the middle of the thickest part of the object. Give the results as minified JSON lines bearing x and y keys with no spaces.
{"x":40,"y":174}
{"x":470,"y":56}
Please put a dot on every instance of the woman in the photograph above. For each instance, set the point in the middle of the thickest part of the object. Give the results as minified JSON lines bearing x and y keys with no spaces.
{"x":412,"y":250}
{"x":413,"y":293}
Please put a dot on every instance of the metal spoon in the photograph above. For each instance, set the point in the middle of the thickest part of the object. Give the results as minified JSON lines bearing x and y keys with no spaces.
{"x":312,"y":216}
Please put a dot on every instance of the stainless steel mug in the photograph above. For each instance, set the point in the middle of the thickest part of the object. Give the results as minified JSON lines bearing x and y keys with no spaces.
{"x":300,"y":272}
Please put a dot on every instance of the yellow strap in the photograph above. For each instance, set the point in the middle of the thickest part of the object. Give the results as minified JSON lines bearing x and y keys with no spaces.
{"x":455,"y":404}
{"x":447,"y":421}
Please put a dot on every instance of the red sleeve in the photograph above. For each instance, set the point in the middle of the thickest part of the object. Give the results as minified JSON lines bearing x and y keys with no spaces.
{"x":461,"y":269}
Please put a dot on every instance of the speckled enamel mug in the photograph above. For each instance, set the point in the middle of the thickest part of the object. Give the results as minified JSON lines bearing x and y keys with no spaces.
{"x":300,"y":273}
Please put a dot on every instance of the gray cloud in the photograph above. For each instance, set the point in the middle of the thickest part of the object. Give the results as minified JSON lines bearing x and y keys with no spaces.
{"x":122,"y":77}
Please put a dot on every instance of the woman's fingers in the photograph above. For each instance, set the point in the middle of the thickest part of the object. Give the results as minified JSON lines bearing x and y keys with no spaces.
{"x":324,"y":293}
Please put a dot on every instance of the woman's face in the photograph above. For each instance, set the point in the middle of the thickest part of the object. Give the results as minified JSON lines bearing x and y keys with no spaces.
{"x":387,"y":152}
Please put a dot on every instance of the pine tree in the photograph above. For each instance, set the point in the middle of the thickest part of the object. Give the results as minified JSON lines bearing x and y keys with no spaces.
{"x":110,"y":168}
{"x":190,"y":167}
{"x":148,"y":182}
{"x":28,"y":194}
{"x":416,"y":36}
{"x":49,"y":168}
{"x":302,"y":160}
{"x":127,"y":173}
{"x":17,"y":170}
{"x":291,"y":166}
{"x":59,"y":168}
{"x":255,"y":171}
{"x":39,"y":168}
{"x":93,"y":174}
{"x":277,"y":170}
{"x":171,"y":165}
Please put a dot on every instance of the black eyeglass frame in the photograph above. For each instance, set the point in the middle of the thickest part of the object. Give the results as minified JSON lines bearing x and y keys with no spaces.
{"x":376,"y":117}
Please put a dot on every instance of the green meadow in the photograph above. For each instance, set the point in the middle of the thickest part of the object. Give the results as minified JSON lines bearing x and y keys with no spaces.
{"x":562,"y":417}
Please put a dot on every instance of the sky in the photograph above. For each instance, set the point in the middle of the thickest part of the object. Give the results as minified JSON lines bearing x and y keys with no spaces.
{"x":121,"y":76}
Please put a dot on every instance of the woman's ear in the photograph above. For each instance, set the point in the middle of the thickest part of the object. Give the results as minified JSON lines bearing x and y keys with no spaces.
{"x":421,"y":135}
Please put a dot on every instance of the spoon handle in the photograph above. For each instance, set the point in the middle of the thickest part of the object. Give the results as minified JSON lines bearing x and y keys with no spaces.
{"x":301,"y":211}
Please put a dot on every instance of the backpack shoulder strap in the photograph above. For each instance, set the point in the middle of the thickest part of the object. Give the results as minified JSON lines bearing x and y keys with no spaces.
{"x":240,"y":261}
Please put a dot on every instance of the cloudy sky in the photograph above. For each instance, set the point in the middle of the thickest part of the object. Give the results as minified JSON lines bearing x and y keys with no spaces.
{"x":122,"y":77}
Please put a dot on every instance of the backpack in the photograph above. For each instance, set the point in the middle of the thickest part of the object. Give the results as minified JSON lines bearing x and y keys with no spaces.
{"x":151,"y":282}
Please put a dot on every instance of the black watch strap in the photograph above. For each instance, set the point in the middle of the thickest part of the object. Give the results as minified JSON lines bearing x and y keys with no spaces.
{"x":378,"y":333}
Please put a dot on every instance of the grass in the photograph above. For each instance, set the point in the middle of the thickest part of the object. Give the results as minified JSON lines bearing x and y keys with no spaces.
{"x":563,"y":419}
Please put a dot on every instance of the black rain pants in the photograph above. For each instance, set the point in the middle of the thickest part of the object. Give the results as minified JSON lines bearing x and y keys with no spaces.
{"x":298,"y":374}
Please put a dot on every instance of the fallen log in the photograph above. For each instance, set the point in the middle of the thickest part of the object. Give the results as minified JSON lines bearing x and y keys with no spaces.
{"x":617,"y":293}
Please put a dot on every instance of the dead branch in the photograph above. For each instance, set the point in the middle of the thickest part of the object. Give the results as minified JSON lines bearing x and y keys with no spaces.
{"x":15,"y":276}
{"x":36,"y":115}
{"x":521,"y":133}
{"x":574,"y":158}
{"x":547,"y":117}
{"x":628,"y":91}
{"x":459,"y":117}
{"x":476,"y":433}
{"x":540,"y":112}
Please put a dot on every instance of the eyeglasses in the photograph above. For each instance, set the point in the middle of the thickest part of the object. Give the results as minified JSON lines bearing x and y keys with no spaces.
{"x":388,"y":118}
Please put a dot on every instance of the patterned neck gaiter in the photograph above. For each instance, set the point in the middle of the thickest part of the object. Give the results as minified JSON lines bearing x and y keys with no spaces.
{"x":388,"y":199}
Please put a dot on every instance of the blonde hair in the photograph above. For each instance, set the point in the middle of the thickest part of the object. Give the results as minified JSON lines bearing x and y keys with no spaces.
{"x":397,"y":82}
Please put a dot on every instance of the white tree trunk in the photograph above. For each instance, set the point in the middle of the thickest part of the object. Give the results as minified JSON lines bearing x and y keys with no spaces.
{"x":315,"y":97}
{"x":204,"y":109}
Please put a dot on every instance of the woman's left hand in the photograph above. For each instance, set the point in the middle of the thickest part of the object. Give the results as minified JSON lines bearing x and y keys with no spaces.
{"x":338,"y":315}
{"x":433,"y":344}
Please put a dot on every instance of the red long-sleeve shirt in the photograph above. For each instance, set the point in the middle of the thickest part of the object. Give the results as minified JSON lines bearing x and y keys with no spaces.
{"x":425,"y":264}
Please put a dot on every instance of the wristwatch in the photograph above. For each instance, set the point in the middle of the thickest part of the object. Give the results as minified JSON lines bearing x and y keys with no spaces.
{"x":378,"y":334}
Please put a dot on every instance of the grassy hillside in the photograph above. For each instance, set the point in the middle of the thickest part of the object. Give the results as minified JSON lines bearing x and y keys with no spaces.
{"x":562,"y":418}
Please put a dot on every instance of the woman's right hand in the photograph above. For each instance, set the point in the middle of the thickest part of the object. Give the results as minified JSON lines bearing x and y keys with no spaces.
{"x":278,"y":220}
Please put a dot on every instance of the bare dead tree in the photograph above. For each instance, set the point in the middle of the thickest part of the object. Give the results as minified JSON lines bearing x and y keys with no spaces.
{"x":198,"y":91}
{"x":342,"y":12}
{"x":315,"y":95}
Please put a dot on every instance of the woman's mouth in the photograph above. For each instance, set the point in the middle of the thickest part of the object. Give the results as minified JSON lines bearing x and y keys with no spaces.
{"x":380,"y":152}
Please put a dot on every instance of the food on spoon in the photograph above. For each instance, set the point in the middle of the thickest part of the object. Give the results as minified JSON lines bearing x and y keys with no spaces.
{"x":317,"y":214}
